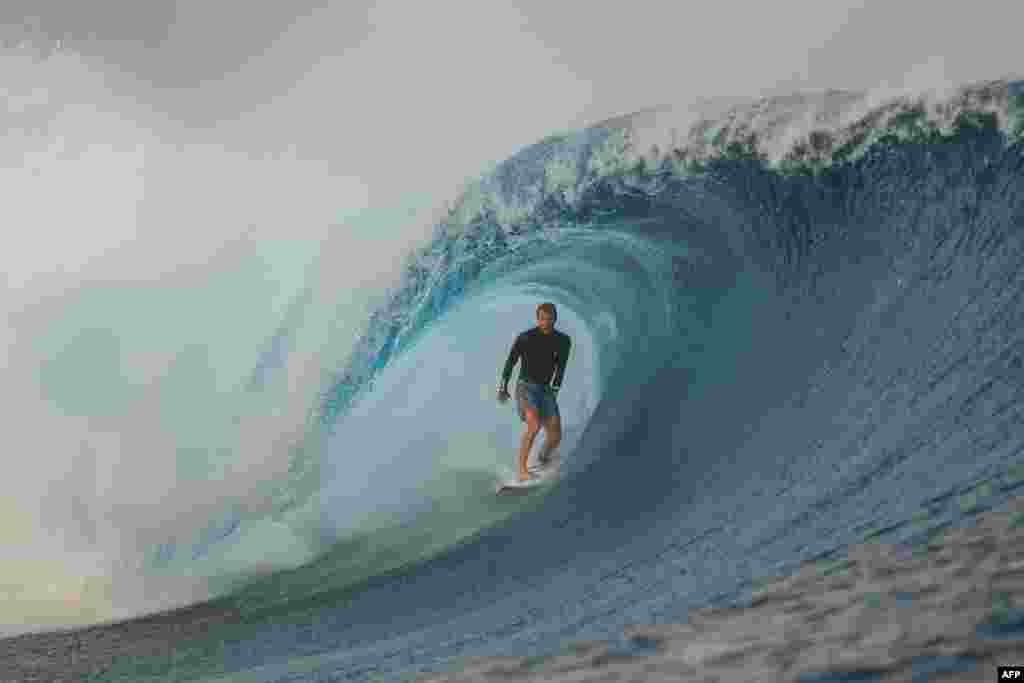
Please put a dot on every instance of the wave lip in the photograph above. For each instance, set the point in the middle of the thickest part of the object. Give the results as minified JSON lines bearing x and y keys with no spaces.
{"x":812,"y":130}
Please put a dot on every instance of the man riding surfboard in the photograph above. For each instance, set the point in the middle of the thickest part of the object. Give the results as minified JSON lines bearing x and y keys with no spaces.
{"x":544,"y":352}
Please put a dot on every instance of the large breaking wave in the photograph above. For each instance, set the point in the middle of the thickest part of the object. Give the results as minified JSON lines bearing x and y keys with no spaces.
{"x":793,"y":320}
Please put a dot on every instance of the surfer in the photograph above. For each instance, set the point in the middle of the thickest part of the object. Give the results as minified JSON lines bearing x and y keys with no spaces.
{"x":544,"y":352}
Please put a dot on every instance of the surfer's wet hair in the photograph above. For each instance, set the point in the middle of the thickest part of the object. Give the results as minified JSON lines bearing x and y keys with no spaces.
{"x":548,"y":308}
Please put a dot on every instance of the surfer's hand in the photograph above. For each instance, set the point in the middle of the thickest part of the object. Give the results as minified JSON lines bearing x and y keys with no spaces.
{"x":503,"y":395}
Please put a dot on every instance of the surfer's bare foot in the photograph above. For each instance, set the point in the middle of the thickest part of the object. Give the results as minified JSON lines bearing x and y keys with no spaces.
{"x":523,"y":476}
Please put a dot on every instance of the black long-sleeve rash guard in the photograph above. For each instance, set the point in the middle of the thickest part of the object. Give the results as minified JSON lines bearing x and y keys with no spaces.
{"x":543,"y":355}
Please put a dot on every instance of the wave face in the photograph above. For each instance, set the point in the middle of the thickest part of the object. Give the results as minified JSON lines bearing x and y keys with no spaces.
{"x":796,"y":321}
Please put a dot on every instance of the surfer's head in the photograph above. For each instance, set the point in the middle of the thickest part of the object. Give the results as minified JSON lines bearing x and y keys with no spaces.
{"x":546,"y":317}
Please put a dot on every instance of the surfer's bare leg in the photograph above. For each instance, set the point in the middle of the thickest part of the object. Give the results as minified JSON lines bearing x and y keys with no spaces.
{"x":552,"y":437}
{"x":532,"y":427}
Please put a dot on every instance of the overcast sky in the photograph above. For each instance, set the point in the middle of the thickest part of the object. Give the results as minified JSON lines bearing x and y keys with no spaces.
{"x":172,"y":169}
{"x":449,"y":87}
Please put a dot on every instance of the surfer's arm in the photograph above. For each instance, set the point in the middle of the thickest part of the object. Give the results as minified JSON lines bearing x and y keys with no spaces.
{"x":560,"y":371}
{"x":513,"y":358}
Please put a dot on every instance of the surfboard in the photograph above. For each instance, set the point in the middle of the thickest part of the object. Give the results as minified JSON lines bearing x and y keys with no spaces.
{"x":516,"y":487}
{"x":539,"y":474}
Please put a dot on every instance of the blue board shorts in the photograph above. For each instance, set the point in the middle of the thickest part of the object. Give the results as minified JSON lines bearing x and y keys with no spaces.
{"x":536,"y":396}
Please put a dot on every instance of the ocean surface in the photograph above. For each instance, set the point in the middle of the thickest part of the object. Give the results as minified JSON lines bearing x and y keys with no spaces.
{"x":797,"y":321}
